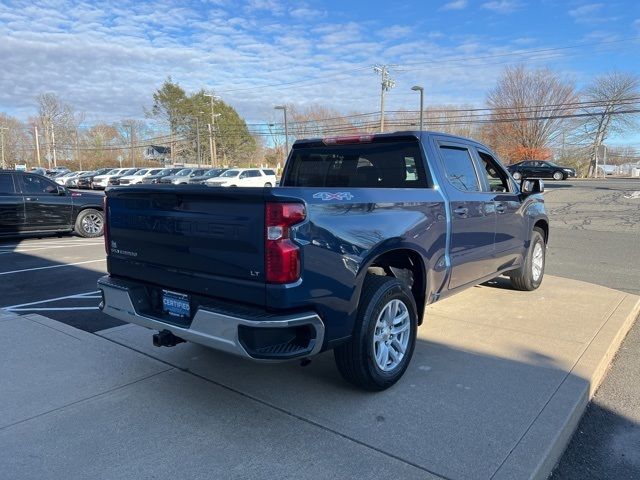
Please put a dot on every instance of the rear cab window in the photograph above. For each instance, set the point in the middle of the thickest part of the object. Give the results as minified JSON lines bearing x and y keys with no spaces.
{"x":6,"y":184}
{"x":391,"y":162}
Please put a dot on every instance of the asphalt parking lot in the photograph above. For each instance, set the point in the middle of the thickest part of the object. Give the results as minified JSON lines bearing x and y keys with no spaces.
{"x":56,"y":277}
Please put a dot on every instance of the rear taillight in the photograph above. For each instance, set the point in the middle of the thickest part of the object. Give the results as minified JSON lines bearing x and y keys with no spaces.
{"x":105,"y":210}
{"x":282,"y":256}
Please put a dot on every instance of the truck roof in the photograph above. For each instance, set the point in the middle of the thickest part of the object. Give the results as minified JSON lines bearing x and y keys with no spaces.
{"x":401,"y":134}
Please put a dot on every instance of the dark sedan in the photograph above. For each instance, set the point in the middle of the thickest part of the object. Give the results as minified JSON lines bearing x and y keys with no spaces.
{"x":540,"y":169}
{"x":32,"y":204}
{"x":84,"y":181}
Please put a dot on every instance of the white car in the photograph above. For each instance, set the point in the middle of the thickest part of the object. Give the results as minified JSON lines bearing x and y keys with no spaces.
{"x":138,"y":176}
{"x":102,"y":181}
{"x":244,"y":177}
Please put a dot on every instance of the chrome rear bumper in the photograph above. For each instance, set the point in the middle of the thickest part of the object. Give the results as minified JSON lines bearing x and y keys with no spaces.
{"x":213,"y":329}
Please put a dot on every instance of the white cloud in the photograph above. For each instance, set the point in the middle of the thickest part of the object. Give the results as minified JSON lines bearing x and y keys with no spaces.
{"x":502,"y":6}
{"x":585,"y":10}
{"x":455,"y":5}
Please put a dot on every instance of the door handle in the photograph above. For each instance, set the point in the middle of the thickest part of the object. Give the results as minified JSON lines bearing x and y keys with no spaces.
{"x":461,"y":211}
{"x":500,"y":208}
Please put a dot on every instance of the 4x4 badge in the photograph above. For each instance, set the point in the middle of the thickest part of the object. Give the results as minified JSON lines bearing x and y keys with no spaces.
{"x":333,"y":196}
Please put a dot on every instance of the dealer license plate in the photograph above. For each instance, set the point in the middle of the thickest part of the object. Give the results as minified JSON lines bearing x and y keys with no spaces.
{"x":176,"y":304}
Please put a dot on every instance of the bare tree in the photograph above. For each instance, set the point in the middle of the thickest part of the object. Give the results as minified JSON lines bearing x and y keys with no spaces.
{"x":57,"y":122}
{"x":527,"y":112}
{"x":15,"y":141}
{"x":613,"y":99}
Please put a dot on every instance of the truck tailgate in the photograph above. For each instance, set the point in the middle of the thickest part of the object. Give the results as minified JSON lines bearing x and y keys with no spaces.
{"x":193,"y":239}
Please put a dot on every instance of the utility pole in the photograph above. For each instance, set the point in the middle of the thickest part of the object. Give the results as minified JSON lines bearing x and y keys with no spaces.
{"x":78,"y":151}
{"x":35,"y":127}
{"x":53,"y":144}
{"x":2,"y":129}
{"x":133,"y":157}
{"x":198,"y":139}
{"x":386,"y":84}
{"x":212,"y":131}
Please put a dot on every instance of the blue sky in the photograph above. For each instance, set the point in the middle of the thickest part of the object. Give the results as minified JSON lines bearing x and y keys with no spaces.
{"x":107,"y":58}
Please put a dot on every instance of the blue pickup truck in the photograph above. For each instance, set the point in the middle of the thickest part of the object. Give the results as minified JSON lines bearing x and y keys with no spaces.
{"x":363,"y":232}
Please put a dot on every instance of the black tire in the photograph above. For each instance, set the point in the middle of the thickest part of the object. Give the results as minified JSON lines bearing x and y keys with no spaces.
{"x":558,"y":175}
{"x":524,"y":278}
{"x":356,"y":358}
{"x":268,"y":184}
{"x":90,"y":223}
{"x":517,"y":175}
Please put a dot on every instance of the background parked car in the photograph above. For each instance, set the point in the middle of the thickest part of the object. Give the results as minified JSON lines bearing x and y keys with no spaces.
{"x":214,"y":172}
{"x":138,"y":176}
{"x":102,"y":181}
{"x":243,"y":177}
{"x":183,"y":176}
{"x":84,"y":181}
{"x":72,"y":180}
{"x":540,"y":169}
{"x":115,"y":180}
{"x":61,"y":179}
{"x":165,"y":172}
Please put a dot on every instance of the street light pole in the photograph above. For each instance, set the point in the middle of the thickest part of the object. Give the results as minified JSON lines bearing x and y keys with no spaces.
{"x":286,"y":129}
{"x":417,"y":88}
{"x":35,"y":127}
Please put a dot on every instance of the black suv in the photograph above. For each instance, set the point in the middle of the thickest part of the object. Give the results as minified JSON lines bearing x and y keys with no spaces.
{"x":540,"y":169}
{"x":33,"y":204}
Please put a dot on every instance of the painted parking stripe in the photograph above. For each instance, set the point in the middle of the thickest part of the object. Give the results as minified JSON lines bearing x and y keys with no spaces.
{"x":49,"y":247}
{"x":52,"y":266}
{"x":39,"y":302}
{"x":51,"y":309}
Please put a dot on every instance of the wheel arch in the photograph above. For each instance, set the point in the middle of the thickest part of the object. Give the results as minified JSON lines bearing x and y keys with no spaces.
{"x":406,"y":265}
{"x":543,"y":225}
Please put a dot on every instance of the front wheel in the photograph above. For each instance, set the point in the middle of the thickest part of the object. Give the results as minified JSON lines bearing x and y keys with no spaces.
{"x":558,"y":176}
{"x":268,"y":184}
{"x":517,"y":176}
{"x":529,"y":275}
{"x":90,"y":223}
{"x":384,"y":335}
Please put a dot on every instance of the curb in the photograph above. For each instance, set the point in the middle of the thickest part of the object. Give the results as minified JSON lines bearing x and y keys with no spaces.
{"x":553,"y":428}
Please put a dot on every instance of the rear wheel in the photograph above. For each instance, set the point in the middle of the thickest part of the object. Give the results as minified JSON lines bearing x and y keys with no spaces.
{"x":529,"y":275}
{"x":90,"y":223}
{"x":384,"y":335}
{"x":268,"y":184}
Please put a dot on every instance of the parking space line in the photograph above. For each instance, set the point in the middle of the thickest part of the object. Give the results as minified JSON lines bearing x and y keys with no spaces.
{"x":52,"y":266}
{"x":51,"y":309}
{"x":76,"y":296}
{"x":48,"y":247}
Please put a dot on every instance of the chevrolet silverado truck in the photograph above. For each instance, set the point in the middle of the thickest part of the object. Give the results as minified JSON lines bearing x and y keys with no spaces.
{"x":363,"y":232}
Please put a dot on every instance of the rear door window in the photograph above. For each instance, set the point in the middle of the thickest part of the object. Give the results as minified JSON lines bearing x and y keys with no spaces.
{"x":390,"y":164}
{"x":6,"y":184}
{"x":459,"y":169}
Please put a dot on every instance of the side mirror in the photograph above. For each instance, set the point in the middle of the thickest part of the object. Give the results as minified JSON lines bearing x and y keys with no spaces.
{"x":530,"y":186}
{"x":62,"y":190}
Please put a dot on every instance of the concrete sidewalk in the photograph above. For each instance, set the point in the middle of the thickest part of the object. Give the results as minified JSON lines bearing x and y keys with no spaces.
{"x":497,"y":384}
